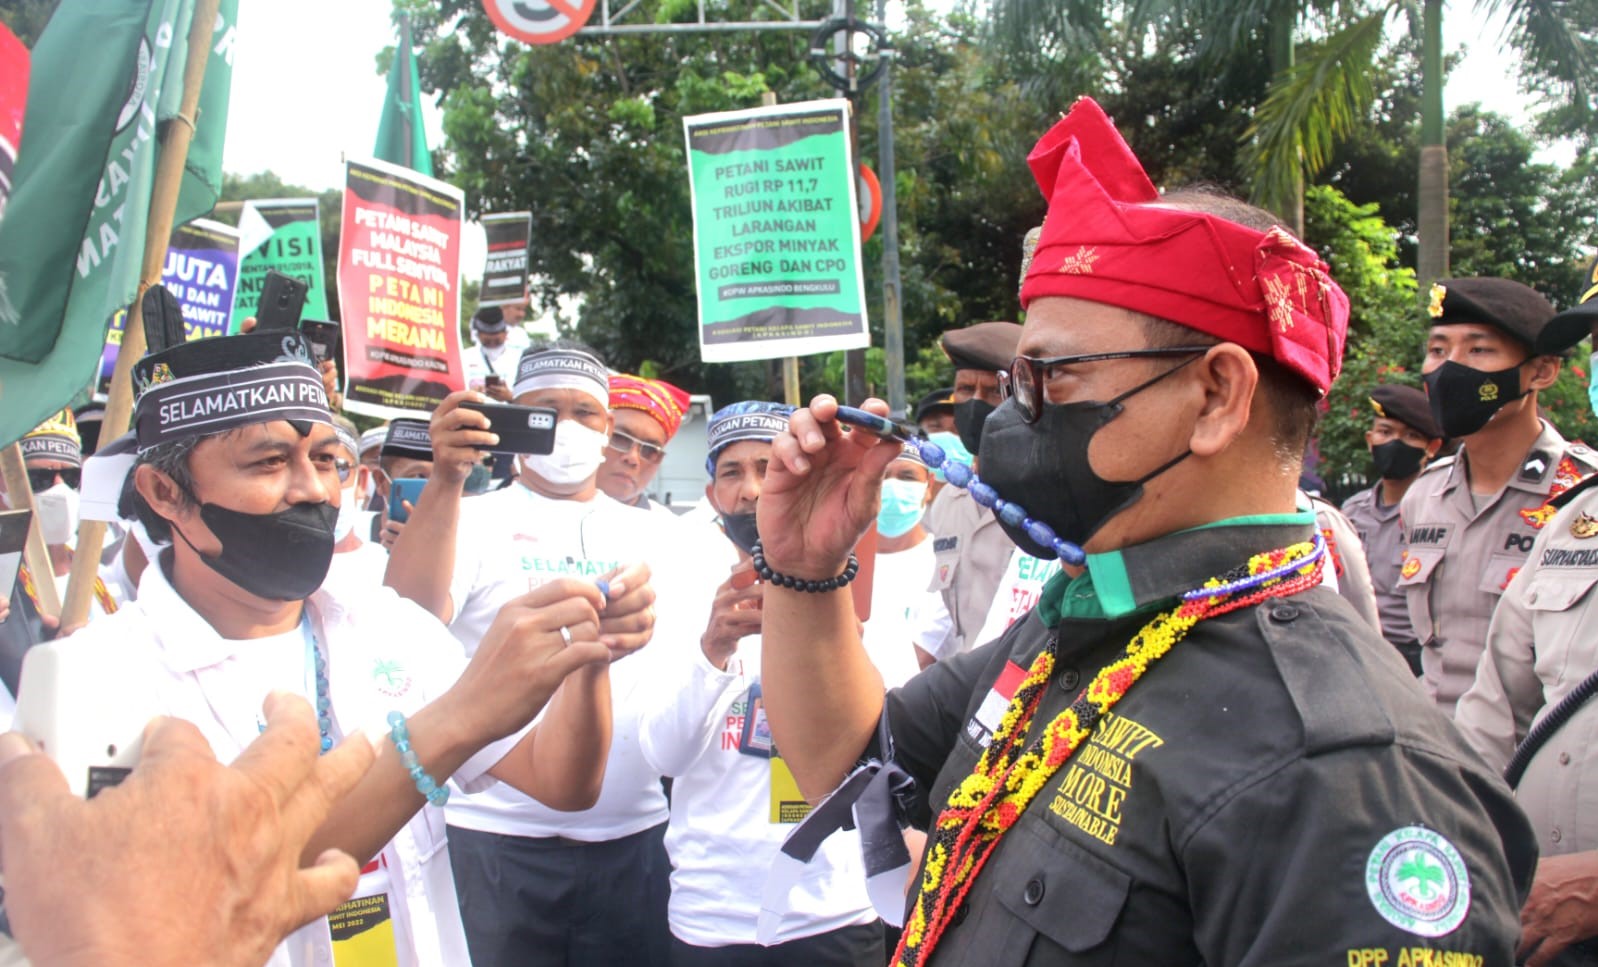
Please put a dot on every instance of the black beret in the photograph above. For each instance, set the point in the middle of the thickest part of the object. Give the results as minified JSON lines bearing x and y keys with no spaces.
{"x":1516,"y":309}
{"x":220,"y":354}
{"x":1407,"y":405}
{"x":938,"y":399}
{"x":407,"y":438}
{"x":1572,"y":326}
{"x":988,"y":346}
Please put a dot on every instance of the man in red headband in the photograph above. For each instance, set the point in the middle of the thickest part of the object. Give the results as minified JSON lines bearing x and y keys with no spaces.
{"x":648,"y":413}
{"x":1190,"y":753}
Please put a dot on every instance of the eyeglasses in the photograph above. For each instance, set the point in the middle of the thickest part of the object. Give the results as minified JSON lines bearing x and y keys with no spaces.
{"x":344,"y":468}
{"x":1029,"y":375}
{"x":647,"y":452}
{"x":41,"y":479}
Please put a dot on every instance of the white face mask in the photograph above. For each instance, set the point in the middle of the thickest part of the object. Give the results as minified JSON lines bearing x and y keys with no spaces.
{"x":492,"y":353}
{"x":58,"y":513}
{"x":578,"y":453}
{"x":348,"y":507}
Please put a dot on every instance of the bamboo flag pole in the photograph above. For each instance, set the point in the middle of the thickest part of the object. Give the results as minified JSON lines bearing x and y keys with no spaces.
{"x":158,"y":230}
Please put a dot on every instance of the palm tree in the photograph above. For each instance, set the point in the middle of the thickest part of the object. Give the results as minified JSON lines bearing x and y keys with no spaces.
{"x":1322,"y":87}
{"x":1320,"y":99}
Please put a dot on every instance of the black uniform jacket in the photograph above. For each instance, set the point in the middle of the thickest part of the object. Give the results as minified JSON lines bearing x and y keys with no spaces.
{"x":1276,"y":790}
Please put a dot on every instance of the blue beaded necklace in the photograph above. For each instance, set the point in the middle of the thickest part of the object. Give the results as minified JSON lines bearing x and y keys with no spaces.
{"x":317,"y":665}
{"x":961,"y":475}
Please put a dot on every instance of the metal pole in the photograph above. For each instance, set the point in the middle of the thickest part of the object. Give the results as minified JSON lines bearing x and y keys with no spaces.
{"x":892,"y":312}
{"x":854,"y":360}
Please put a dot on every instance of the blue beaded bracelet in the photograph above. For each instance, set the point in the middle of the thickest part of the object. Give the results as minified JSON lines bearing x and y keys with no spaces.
{"x":432,"y":791}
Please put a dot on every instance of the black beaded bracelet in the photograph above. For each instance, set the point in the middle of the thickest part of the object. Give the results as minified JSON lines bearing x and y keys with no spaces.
{"x":764,"y":571}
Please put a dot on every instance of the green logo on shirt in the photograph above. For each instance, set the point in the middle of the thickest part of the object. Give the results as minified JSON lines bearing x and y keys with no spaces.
{"x":1418,"y":882}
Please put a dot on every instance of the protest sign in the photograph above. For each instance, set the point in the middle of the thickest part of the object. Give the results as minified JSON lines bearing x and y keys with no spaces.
{"x":776,"y":232}
{"x":281,"y":235}
{"x":505,"y":274}
{"x":398,"y":291}
{"x":201,"y":269}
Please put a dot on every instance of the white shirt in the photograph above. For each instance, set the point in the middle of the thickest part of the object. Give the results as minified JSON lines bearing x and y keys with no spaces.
{"x":383,"y":654}
{"x":904,"y":614}
{"x":1019,"y":591}
{"x":357,"y":572}
{"x":721,"y":838}
{"x":476,"y":363}
{"x":513,"y":540}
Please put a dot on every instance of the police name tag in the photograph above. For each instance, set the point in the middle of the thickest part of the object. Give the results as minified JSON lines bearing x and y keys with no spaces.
{"x":988,"y":715}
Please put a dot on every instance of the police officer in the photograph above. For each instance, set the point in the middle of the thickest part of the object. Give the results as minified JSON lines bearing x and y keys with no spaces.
{"x":1540,"y":650}
{"x":1249,"y":778}
{"x":1470,"y":520}
{"x":971,"y":550}
{"x":1402,"y":438}
{"x":934,"y":412}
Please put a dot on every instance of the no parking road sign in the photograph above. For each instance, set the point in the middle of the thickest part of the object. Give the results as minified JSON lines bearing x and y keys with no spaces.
{"x":539,"y":21}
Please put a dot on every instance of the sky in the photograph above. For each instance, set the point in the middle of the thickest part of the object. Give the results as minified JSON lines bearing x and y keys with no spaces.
{"x":322,"y":82}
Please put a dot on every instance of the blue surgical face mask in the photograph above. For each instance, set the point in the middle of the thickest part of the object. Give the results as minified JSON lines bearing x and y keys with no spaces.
{"x":952,"y":447}
{"x":902,"y":503}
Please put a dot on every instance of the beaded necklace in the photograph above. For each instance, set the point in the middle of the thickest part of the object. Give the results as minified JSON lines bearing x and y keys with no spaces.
{"x":317,"y":665}
{"x":962,"y":475}
{"x":1012,"y":771}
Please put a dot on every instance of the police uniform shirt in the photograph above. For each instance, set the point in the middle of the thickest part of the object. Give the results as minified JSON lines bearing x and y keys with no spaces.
{"x":1540,"y":647}
{"x":1252,"y":799}
{"x":1379,"y":529}
{"x":972,"y":552}
{"x":1459,"y":559}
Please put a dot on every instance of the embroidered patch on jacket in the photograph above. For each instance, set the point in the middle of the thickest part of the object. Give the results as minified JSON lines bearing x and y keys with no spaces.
{"x":1417,"y":881}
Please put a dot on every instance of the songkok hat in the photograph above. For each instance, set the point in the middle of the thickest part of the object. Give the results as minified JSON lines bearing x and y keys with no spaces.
{"x":1572,"y":326}
{"x":489,"y":319}
{"x":661,"y":400}
{"x":988,"y":346}
{"x":909,"y":451}
{"x":347,"y":437}
{"x":738,"y":422}
{"x":935,"y":401}
{"x":1508,"y":306}
{"x":54,"y":439}
{"x":548,"y":367}
{"x":1108,"y":239}
{"x":373,"y":438}
{"x":1407,"y":405}
{"x":223,"y":382}
{"x":407,"y":438}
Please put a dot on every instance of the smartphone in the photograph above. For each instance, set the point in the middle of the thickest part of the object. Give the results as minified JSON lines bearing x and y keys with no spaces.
{"x":521,"y":429}
{"x":403,"y":489}
{"x":282,"y":301}
{"x":86,"y":710}
{"x":323,"y":337}
{"x":493,"y":379}
{"x":13,"y":538}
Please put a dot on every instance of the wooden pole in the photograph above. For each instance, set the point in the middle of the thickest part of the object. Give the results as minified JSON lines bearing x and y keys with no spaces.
{"x":34,"y":554}
{"x":158,"y":230}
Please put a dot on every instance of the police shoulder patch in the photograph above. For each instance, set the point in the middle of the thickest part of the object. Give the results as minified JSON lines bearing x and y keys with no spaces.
{"x":1417,"y":881}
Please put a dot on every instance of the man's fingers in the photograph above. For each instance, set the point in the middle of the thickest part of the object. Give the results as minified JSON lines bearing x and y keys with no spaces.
{"x":576,"y":655}
{"x":329,"y":781}
{"x":167,"y":738}
{"x":282,"y":756}
{"x":324,"y":885}
{"x":27,"y":779}
{"x":565,"y":589}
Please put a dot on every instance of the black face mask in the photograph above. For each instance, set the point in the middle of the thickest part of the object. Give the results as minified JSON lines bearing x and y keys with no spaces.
{"x":280,"y":557}
{"x":1397,"y":460}
{"x":969,"y":416}
{"x":740,"y":529}
{"x":1044,"y":468}
{"x":1464,"y":399}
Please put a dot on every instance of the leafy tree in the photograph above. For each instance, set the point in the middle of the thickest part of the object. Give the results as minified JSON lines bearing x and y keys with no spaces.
{"x":26,"y":18}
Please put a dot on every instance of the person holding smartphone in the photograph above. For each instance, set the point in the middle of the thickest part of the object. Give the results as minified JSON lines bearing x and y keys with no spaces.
{"x":486,"y":360}
{"x":539,"y":886}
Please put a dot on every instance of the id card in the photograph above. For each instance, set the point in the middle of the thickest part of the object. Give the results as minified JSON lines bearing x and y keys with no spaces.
{"x":363,"y":927}
{"x":788,"y":804}
{"x":756,"y":737}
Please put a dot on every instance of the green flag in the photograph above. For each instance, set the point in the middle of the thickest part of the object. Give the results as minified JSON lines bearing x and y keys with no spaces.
{"x":400,"y":138}
{"x":105,"y":75}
